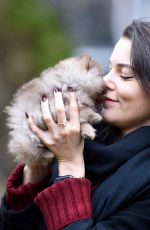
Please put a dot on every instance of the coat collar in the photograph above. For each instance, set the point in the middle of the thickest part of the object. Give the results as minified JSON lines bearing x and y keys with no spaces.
{"x":102,"y":160}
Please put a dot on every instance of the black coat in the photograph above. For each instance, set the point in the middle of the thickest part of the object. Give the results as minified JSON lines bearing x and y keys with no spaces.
{"x":122,"y":199}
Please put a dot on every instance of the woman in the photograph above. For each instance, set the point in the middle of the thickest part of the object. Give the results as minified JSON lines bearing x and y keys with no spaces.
{"x":108,"y":187}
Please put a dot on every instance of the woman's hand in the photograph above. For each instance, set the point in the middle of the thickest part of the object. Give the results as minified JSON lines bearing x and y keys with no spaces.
{"x":62,"y":138}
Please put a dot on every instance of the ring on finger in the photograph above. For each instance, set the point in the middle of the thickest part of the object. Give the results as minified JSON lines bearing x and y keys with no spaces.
{"x":62,"y":123}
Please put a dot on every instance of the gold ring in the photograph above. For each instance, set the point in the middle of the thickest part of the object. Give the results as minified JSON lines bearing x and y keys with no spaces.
{"x":62,"y":123}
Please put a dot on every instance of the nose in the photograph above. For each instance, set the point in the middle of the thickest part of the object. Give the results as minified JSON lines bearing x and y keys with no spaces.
{"x":109,"y":80}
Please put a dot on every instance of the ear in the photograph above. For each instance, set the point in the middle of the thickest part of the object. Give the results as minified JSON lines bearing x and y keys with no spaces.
{"x":89,"y":63}
{"x":85,"y":61}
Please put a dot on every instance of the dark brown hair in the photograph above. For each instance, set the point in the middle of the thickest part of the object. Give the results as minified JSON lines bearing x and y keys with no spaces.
{"x":139,"y":34}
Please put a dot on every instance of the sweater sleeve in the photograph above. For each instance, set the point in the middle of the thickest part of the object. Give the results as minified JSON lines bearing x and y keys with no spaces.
{"x":65,"y":202}
{"x":19,"y":195}
{"x":67,"y":205}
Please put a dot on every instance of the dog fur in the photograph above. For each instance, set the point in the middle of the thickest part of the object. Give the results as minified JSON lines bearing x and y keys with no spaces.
{"x":82,"y":74}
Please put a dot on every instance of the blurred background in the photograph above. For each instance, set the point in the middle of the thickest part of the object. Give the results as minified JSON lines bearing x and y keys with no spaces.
{"x":35,"y":34}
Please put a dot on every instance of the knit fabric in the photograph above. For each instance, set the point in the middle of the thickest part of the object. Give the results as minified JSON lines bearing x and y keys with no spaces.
{"x":65,"y":202}
{"x":120,"y":202}
{"x":19,"y":195}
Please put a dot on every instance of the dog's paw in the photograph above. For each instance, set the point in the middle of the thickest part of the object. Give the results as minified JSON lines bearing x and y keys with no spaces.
{"x":87,"y":131}
{"x":89,"y":136}
{"x":96,"y":118}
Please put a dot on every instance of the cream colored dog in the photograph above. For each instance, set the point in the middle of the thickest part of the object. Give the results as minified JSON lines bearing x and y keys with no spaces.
{"x":83,"y":75}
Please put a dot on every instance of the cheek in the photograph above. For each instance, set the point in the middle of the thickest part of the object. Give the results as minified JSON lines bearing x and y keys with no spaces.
{"x":131,"y":97}
{"x":112,"y":113}
{"x":126,"y":97}
{"x":135,"y":101}
{"x":132,"y":108}
{"x":143,"y":106}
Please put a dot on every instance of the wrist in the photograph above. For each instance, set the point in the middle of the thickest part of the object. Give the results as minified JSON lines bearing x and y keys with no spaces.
{"x":60,"y":178}
{"x":34,"y":173}
{"x":75,"y":169}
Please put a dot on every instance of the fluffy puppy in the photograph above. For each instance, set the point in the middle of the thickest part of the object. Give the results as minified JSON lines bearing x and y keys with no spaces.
{"x":83,"y":75}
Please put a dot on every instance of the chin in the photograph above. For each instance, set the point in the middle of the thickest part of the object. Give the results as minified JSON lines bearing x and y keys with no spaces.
{"x":112,"y":121}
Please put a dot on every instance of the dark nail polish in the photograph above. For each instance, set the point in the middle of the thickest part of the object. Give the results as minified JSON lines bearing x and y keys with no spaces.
{"x":56,"y":90}
{"x":70,"y":89}
{"x":27,"y":115}
{"x":44,"y":98}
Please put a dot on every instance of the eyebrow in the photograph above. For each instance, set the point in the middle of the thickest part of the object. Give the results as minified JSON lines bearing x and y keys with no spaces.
{"x":121,"y":65}
{"x":125,"y":65}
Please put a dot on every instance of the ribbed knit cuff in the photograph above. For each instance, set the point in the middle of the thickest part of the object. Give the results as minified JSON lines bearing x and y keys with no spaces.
{"x":18,"y":196}
{"x":65,"y":202}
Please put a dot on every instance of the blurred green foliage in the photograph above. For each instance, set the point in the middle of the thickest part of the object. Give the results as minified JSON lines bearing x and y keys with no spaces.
{"x":2,"y":186}
{"x":32,"y":38}
{"x":33,"y":25}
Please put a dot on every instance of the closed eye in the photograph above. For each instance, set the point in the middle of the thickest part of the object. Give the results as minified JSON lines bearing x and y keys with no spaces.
{"x":126,"y":77}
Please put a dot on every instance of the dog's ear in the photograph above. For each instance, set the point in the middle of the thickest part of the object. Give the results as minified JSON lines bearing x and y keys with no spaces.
{"x":85,"y":61}
{"x":89,"y":63}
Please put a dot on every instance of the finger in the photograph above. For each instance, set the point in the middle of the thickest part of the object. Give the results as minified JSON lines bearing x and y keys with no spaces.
{"x":46,"y":113}
{"x":59,"y":106}
{"x":73,"y":108}
{"x":33,"y":127}
{"x":44,"y":136}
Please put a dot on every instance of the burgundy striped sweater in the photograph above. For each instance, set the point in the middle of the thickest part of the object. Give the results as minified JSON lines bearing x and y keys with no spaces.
{"x":61,"y":203}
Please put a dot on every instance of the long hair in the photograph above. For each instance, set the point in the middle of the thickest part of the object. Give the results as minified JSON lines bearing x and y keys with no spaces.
{"x":139,"y":34}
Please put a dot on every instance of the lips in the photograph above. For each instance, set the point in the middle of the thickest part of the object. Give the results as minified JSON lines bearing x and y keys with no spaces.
{"x":109,"y":99}
{"x":109,"y":102}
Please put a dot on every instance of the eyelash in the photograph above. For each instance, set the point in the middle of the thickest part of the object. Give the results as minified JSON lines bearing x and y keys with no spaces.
{"x":125,"y":77}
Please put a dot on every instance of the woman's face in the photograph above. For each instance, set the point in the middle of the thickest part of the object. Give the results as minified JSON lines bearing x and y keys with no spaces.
{"x":125,"y":104}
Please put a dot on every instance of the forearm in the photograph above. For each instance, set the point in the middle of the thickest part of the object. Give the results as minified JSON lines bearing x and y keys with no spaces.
{"x":19,"y":195}
{"x":74,"y":168}
{"x":35,"y":173}
{"x":67,"y":201}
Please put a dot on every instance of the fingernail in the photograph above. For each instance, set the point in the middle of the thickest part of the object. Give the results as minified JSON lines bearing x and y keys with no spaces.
{"x":56,"y":90}
{"x":70,"y":89}
{"x":27,"y":115}
{"x":44,"y":98}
